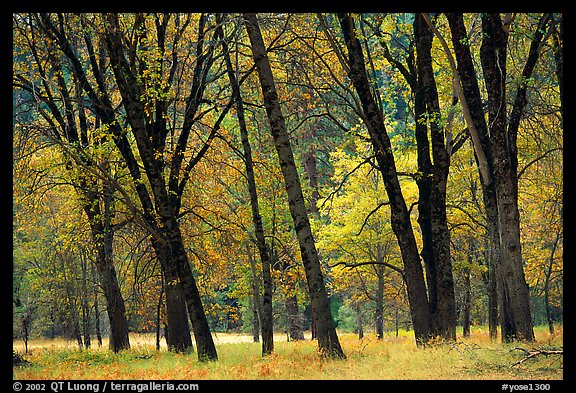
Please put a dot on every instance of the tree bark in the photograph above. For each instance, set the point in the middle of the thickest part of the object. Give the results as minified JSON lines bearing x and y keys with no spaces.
{"x":472,"y":92}
{"x":379,"y":315}
{"x":327,"y":338}
{"x":266,"y":318}
{"x":359,"y":320}
{"x":440,"y":279}
{"x":86,"y":331}
{"x":103,"y":238}
{"x":400,"y":218}
{"x":177,"y":331}
{"x":295,"y":331}
{"x":514,"y":299}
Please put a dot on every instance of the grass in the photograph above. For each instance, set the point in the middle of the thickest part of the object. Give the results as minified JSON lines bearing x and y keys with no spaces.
{"x":393,"y":358}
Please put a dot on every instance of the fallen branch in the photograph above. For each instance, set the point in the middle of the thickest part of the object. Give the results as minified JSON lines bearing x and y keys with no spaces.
{"x":529,"y":354}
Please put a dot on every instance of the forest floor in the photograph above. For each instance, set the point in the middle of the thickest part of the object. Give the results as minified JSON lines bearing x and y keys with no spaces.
{"x":392,"y":358}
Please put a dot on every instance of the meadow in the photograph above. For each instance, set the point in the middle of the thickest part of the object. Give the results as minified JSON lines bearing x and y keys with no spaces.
{"x":392,"y":358}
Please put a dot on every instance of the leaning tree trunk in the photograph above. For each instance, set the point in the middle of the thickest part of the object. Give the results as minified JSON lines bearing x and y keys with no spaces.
{"x":471,"y":90}
{"x":266,"y":316}
{"x":327,"y":338}
{"x":400,"y":217}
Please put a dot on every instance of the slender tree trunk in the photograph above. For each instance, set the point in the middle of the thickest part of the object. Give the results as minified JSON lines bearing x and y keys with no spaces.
{"x":359,"y":320}
{"x":255,"y":291}
{"x":96,"y":309}
{"x":311,"y":169}
{"x":467,"y":301}
{"x":547,"y":276}
{"x":400,"y":218}
{"x":327,"y":338}
{"x":267,"y":320}
{"x":255,"y":323}
{"x":379,"y":317}
{"x":547,"y":301}
{"x":158,"y":313}
{"x":85,"y":306}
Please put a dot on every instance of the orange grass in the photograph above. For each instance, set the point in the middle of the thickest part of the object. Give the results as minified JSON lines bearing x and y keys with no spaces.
{"x":393,"y":357}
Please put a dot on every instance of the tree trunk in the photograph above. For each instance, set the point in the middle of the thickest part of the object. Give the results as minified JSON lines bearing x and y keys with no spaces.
{"x":471,"y":90}
{"x":547,"y":276}
{"x":294,"y":319}
{"x":177,"y":332}
{"x":441,"y":282}
{"x":96,"y":309}
{"x":85,"y":305}
{"x":178,"y":266}
{"x":400,"y":218}
{"x":266,"y":319}
{"x":327,"y":338}
{"x":359,"y":320}
{"x":158,"y":314}
{"x":379,"y":315}
{"x":255,"y":318}
{"x":255,"y":294}
{"x":514,"y":299}
{"x":466,"y":301}
{"x":103,"y":237}
{"x":311,"y":169}
{"x":173,"y":258}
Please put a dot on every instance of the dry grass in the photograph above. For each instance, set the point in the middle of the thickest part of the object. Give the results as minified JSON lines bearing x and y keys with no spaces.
{"x":393,"y":358}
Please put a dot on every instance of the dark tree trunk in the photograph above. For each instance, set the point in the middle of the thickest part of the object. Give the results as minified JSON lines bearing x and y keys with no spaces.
{"x":177,"y":331}
{"x":96,"y":310}
{"x":295,"y":331}
{"x":313,"y":329}
{"x":158,"y":314}
{"x":173,"y":257}
{"x":359,"y":320}
{"x":86,"y":331}
{"x":493,"y":258}
{"x":466,"y":304}
{"x":266,"y":318}
{"x":311,"y":169}
{"x":441,"y":281}
{"x":379,"y":315}
{"x":255,"y":293}
{"x":103,"y":237}
{"x":471,"y":91}
{"x":99,"y":217}
{"x":255,"y":321}
{"x":400,"y":217}
{"x":467,"y":301}
{"x":547,"y":277}
{"x":327,"y":338}
{"x":179,"y":267}
{"x":516,"y":322}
